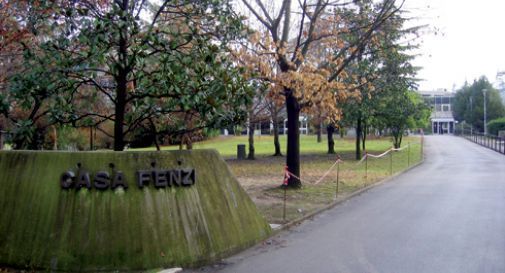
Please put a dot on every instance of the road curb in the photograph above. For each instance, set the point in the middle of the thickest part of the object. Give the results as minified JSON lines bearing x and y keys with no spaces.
{"x":337,"y":202}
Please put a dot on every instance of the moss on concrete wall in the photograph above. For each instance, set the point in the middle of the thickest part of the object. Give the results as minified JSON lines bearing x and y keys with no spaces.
{"x":44,"y":226}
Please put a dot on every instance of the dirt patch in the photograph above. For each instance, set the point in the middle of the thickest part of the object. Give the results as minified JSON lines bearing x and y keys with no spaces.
{"x":262,"y":178}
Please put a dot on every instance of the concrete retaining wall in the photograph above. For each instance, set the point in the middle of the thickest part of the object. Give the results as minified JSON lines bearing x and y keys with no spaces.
{"x":43,"y":226}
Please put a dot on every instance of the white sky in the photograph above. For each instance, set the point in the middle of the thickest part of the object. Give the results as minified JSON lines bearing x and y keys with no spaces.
{"x":470,"y":41}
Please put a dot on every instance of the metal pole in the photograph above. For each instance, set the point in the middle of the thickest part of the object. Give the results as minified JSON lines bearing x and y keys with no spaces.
{"x":471,"y":115}
{"x":391,"y":162}
{"x":422,"y":146}
{"x":284,"y":208}
{"x":408,"y":156}
{"x":338,"y":172}
{"x":484,"y":91}
{"x":366,"y":167}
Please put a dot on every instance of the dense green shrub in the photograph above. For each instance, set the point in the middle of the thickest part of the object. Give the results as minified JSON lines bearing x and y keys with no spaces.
{"x":496,"y":125}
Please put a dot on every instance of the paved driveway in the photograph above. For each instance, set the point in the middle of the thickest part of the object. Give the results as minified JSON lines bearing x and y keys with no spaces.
{"x":447,"y":215}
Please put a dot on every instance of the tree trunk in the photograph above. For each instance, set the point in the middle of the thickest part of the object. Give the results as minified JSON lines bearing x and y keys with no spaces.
{"x":331,"y":143}
{"x":364,"y":136}
{"x":55,"y":138}
{"x":122,"y":82}
{"x":318,"y":132}
{"x":91,"y":138}
{"x":277,"y":144}
{"x":37,"y":142}
{"x":154,"y":133}
{"x":156,"y":143}
{"x":189,"y":143}
{"x":293,"y":148}
{"x":120,"y":112}
{"x":358,"y":138}
{"x":251,"y":141}
{"x":397,"y":138}
{"x":1,"y":139}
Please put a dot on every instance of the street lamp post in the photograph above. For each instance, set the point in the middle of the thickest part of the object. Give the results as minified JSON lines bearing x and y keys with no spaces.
{"x":484,"y":91}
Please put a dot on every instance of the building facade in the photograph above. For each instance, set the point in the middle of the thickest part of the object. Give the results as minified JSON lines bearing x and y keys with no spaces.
{"x":442,"y":119}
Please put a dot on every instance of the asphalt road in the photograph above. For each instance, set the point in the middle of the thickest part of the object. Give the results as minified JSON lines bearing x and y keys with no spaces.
{"x":447,"y":215}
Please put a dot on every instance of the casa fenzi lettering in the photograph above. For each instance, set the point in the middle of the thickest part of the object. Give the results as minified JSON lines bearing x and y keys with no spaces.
{"x":103,"y":180}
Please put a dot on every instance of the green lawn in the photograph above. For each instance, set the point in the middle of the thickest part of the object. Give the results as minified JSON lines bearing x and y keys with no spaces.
{"x":227,"y":145}
{"x":262,"y":177}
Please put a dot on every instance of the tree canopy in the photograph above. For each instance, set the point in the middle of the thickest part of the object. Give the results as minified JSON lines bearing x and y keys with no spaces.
{"x":468,"y":103}
{"x":157,"y":66}
{"x":306,"y":43}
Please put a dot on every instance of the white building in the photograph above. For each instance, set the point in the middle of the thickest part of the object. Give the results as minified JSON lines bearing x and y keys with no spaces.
{"x":442,"y":120}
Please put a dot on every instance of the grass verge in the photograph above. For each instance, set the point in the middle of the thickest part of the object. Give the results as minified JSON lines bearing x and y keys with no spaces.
{"x":262,"y":177}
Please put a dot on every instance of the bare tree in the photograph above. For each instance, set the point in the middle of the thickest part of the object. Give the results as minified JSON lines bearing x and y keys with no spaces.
{"x":294,"y":32}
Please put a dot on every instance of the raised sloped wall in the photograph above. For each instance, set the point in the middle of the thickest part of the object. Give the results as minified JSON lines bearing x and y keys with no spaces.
{"x":44,"y":226}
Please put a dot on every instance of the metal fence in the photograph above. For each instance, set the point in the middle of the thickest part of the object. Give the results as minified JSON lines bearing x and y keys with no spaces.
{"x":492,"y":142}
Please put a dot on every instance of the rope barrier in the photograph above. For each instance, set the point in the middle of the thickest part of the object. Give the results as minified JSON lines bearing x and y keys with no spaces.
{"x":390,"y":150}
{"x":400,"y":149}
{"x":288,"y":174}
{"x":381,"y":155}
{"x":328,"y":171}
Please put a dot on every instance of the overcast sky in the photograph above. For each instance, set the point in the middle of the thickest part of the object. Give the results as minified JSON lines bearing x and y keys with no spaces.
{"x":470,"y":41}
